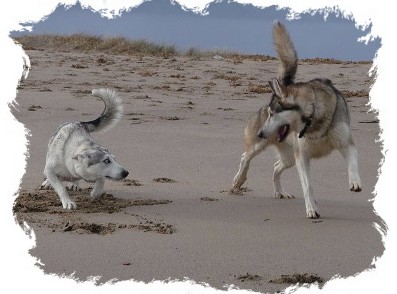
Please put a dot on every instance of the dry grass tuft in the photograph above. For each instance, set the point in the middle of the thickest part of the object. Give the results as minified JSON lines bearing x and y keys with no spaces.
{"x":331,"y":61}
{"x":84,"y":43}
{"x":360,"y":93}
{"x":259,"y":89}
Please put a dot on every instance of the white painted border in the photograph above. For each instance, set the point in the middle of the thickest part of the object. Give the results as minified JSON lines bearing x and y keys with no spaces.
{"x":18,"y":269}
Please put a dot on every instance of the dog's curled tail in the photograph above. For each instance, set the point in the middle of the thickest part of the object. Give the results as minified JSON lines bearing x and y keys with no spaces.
{"x":286,"y":53}
{"x":112,"y":113}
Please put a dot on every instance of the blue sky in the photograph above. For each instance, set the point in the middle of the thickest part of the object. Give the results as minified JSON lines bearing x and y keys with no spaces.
{"x":226,"y":25}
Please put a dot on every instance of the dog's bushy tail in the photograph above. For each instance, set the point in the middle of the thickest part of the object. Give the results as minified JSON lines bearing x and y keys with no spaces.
{"x":111,"y":114}
{"x":286,"y":53}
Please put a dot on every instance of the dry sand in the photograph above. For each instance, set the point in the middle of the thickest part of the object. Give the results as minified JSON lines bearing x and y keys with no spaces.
{"x":181,"y":139}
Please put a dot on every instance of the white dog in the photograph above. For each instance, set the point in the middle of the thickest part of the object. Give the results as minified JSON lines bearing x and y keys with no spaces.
{"x":72,"y":154}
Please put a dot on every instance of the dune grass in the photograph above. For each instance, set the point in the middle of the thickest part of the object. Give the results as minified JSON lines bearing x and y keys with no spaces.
{"x":84,"y":43}
{"x":121,"y":45}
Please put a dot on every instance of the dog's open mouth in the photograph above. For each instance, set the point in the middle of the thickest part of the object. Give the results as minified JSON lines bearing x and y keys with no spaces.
{"x":283,"y":132}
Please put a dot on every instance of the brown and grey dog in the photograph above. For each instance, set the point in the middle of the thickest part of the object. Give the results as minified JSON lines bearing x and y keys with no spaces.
{"x":72,"y":155}
{"x":303,"y":121}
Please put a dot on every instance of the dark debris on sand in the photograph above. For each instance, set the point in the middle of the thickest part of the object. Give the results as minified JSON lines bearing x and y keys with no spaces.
{"x":298,"y":278}
{"x":44,"y":209}
{"x":48,"y":201}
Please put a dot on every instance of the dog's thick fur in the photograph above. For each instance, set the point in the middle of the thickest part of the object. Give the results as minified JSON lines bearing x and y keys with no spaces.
{"x":72,"y":154}
{"x":303,"y":121}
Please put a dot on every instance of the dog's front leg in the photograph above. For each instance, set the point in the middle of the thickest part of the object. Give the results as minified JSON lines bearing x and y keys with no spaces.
{"x":97,"y":190}
{"x":241,"y":176}
{"x":303,"y":166}
{"x":286,"y":160}
{"x":279,"y":167}
{"x":246,"y":157}
{"x":53,"y":179}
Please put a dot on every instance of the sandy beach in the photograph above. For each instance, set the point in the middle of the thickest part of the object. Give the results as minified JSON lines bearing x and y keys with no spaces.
{"x":181,"y":138}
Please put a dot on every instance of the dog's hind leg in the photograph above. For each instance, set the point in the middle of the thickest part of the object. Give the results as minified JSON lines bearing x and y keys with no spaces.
{"x":286,"y":160}
{"x":350,"y":154}
{"x":246,"y":157}
{"x":97,"y":190}
{"x":53,"y":179}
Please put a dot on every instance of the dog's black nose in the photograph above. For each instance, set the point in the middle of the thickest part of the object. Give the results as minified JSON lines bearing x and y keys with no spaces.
{"x":124,"y":173}
{"x":261,"y":135}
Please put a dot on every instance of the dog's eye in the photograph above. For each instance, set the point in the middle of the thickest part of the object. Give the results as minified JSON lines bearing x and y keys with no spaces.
{"x":107,"y":161}
{"x":278,"y":108}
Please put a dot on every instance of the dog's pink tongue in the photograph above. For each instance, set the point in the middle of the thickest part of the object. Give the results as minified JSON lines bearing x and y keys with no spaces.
{"x":283,"y":132}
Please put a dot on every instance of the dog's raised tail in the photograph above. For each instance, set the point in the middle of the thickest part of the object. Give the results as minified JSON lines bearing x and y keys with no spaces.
{"x":112,"y":113}
{"x":286,"y":53}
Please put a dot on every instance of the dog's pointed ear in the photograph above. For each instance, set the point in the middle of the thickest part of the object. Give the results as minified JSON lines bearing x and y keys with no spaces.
{"x":277,"y":88}
{"x":81,"y":156}
{"x":78,"y":157}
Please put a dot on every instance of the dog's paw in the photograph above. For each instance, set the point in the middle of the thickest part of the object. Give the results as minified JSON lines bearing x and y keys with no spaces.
{"x":45,"y":185}
{"x":69,"y":205}
{"x":236,"y":191}
{"x":312,"y":214}
{"x":355,"y":186}
{"x":283,"y":195}
{"x":311,"y":208}
{"x":238,"y":182}
{"x":73,"y":186}
{"x":354,"y":182}
{"x":95,"y":196}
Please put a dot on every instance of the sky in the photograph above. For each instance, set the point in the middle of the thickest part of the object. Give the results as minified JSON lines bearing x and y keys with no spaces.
{"x":222,"y":25}
{"x":19,"y":269}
